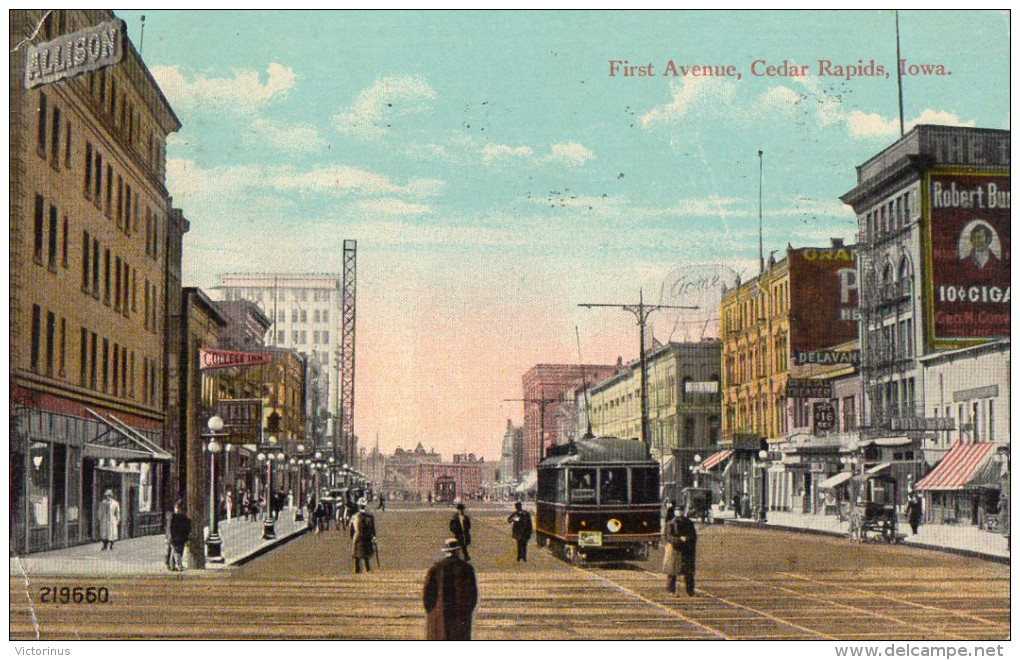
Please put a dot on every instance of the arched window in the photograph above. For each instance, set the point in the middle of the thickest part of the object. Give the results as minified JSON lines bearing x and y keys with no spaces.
{"x":905,"y":273}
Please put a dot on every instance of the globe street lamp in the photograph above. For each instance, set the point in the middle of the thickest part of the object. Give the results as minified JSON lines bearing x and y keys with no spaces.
{"x":763,"y":455}
{"x":269,"y":523}
{"x":696,"y":469}
{"x":213,"y":544}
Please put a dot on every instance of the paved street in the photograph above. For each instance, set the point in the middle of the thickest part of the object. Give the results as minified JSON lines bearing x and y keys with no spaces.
{"x":752,"y":584}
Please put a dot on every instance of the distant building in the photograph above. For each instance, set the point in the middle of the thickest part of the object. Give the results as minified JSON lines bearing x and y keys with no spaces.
{"x":398,"y":479}
{"x":511,"y":455}
{"x":461,"y":478}
{"x":548,"y":382}
{"x":304,"y":312}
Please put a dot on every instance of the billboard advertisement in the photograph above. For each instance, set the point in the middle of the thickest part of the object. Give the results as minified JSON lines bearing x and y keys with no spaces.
{"x":823,"y":304}
{"x":967,"y":236}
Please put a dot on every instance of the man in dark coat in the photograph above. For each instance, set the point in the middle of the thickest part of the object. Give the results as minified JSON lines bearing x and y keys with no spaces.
{"x":914,"y":511}
{"x":520,"y":530}
{"x":450,"y":596}
{"x":460,"y":527}
{"x":684,"y":541}
{"x":362,"y":537}
{"x":179,"y":529}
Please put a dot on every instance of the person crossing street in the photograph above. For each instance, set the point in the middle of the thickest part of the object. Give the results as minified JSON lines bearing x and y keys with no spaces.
{"x":362,"y":537}
{"x":521,"y":530}
{"x":460,"y":527}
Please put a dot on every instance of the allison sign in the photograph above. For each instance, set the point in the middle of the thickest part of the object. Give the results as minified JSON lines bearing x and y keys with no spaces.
{"x":73,"y":54}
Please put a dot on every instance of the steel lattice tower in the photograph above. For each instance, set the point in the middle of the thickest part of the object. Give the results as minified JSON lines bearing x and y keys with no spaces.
{"x":345,"y":392}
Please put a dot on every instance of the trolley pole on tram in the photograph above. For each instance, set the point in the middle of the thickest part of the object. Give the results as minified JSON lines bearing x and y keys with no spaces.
{"x":642,"y":312}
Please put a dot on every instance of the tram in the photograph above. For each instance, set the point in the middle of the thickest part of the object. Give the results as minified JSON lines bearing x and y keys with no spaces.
{"x":598,"y":500}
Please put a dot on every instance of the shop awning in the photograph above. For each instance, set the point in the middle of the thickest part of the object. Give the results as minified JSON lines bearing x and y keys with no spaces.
{"x":716,"y":459}
{"x":967,"y":465}
{"x":893,"y":442}
{"x":121,"y":442}
{"x":881,"y":467}
{"x":835,"y":481}
{"x":529,"y":484}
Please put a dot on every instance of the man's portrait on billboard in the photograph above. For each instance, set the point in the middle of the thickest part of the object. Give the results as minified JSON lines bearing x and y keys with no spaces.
{"x":979,"y":245}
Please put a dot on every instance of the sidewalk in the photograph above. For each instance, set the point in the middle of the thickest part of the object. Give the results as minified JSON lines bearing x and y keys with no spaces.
{"x":242,"y":540}
{"x":959,"y":539}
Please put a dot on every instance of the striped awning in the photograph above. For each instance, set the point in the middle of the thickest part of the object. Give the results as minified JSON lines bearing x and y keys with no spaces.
{"x":716,"y":459}
{"x":961,"y":467}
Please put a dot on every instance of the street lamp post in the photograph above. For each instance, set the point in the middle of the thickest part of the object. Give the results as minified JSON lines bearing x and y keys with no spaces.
{"x":269,"y":522}
{"x":763,"y":455}
{"x":696,"y":469}
{"x":213,"y":544}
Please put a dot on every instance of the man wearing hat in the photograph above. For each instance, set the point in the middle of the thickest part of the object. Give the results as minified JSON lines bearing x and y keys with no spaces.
{"x":109,"y":520}
{"x":362,"y":537}
{"x":450,"y":595}
{"x":460,"y":527}
{"x":520,"y":530}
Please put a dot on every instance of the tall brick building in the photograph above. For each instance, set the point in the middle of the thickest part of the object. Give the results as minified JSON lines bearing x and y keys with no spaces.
{"x":548,"y":382}
{"x":91,"y":263}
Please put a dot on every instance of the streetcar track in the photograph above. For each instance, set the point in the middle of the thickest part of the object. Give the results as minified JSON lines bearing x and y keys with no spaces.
{"x":901,"y":601}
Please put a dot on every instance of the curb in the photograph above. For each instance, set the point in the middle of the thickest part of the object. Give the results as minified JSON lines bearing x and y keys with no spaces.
{"x":258,"y":552}
{"x":823,"y":532}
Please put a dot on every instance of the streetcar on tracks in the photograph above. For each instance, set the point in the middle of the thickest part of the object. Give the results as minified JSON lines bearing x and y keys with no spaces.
{"x":598,"y":500}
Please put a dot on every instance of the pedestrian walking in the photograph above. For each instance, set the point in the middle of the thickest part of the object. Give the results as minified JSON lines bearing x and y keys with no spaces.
{"x":382,"y":502}
{"x":736,"y":505}
{"x":230,"y":505}
{"x":178,"y":532}
{"x":450,"y":595}
{"x":460,"y":527}
{"x":362,"y":537}
{"x":684,"y":543}
{"x":321,"y":514}
{"x":109,"y":520}
{"x":745,"y":506}
{"x":521,"y":530}
{"x":914,"y":512}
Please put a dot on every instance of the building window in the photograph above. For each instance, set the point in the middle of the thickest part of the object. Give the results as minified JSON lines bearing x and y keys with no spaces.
{"x":106,"y":364}
{"x":134,"y":290}
{"x":120,"y":201}
{"x":991,"y":420}
{"x":293,"y":316}
{"x":52,"y":242}
{"x":325,"y":314}
{"x":55,"y":139}
{"x":123,"y":371}
{"x":51,"y":328}
{"x":132,"y":379}
{"x":317,"y":316}
{"x":106,"y":276}
{"x":116,"y":284}
{"x":304,"y":337}
{"x":36,"y":332}
{"x":88,"y":170}
{"x":849,"y":413}
{"x":116,"y":369}
{"x":40,"y":212}
{"x":315,"y":337}
{"x":67,"y":144}
{"x":83,"y":358}
{"x":40,"y":146}
{"x":63,"y":245}
{"x":109,"y":191}
{"x":97,"y":189}
{"x":280,"y":337}
{"x":294,"y":337}
{"x":325,"y":337}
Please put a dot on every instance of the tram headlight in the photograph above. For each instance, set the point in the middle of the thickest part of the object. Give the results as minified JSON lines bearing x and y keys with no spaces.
{"x":614,"y":525}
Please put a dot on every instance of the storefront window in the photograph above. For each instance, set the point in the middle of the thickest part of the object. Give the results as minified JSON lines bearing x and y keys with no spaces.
{"x":39,"y":484}
{"x":145,"y":487}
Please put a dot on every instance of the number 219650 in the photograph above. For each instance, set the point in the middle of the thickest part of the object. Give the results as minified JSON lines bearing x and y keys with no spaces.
{"x":65,"y":595}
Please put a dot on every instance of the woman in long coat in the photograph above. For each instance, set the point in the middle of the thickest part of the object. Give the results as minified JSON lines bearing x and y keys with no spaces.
{"x":109,"y":520}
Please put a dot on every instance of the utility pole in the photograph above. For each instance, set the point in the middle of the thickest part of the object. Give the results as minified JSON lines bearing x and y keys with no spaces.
{"x":642,"y":312}
{"x":542,"y":403}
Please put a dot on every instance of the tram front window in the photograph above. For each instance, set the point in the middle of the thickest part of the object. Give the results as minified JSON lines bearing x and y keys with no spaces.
{"x":614,"y":485}
{"x":582,"y":486}
{"x":645,"y":485}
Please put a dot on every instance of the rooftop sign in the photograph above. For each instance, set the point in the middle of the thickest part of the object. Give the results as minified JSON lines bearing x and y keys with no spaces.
{"x":76,"y":53}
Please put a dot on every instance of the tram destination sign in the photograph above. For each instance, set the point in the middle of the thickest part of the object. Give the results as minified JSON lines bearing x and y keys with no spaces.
{"x":76,"y":53}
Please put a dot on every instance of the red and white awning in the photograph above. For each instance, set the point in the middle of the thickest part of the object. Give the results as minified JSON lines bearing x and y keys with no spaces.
{"x":716,"y":459}
{"x":962,"y":466}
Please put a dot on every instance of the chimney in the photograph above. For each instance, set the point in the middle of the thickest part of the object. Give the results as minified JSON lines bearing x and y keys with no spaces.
{"x":837,"y":242}
{"x":619,"y":362}
{"x":509,"y":424}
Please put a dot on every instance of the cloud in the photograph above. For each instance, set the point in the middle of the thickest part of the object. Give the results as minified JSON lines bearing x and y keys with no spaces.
{"x":284,"y":137}
{"x":388,"y":99}
{"x":688,"y":94}
{"x":393,"y":207}
{"x":491,"y":152}
{"x":244,"y":93}
{"x":191,"y":181}
{"x":571,"y":153}
{"x":872,"y":125}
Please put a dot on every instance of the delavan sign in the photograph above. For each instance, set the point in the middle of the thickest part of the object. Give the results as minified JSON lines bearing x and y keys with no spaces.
{"x":74,"y":54}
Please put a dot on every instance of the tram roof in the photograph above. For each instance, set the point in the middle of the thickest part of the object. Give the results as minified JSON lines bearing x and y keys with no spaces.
{"x":598,"y":450}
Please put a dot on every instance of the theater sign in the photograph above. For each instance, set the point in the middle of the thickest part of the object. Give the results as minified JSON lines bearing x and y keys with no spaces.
{"x":76,"y":53}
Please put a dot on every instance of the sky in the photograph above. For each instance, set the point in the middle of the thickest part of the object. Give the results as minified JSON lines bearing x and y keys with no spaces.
{"x":495,"y":175}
